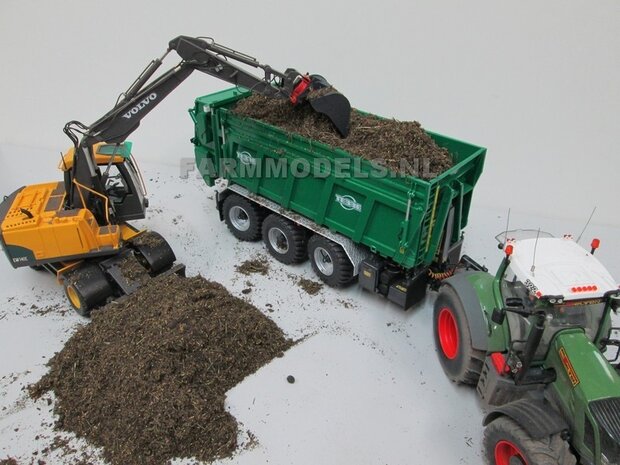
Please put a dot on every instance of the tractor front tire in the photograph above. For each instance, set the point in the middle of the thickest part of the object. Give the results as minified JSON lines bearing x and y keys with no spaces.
{"x":243,"y":217}
{"x":506,"y":443}
{"x":459,"y":360}
{"x":87,"y":288}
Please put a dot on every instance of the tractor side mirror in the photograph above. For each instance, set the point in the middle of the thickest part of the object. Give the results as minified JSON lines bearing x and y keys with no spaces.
{"x":514,"y":302}
{"x":498,"y":316}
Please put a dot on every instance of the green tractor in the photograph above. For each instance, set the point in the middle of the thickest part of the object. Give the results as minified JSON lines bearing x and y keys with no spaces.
{"x":535,"y":340}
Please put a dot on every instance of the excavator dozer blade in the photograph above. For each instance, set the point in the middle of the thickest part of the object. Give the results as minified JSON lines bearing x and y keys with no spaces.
{"x":335,"y":106}
{"x":146,"y":256}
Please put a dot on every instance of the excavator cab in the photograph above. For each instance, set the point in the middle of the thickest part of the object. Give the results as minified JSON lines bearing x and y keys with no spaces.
{"x":121,"y":179}
{"x":39,"y":226}
{"x":94,"y":252}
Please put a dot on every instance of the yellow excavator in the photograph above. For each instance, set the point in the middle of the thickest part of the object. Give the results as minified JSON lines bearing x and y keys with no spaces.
{"x":78,"y":229}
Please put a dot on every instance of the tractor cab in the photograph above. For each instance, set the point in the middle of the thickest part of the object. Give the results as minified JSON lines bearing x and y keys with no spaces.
{"x":554,"y":276}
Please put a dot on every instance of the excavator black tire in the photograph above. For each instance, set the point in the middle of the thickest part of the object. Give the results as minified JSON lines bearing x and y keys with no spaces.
{"x":153,"y":251}
{"x":87,"y":288}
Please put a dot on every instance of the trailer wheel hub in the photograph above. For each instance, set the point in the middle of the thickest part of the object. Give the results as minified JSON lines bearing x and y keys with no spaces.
{"x":448,"y":333}
{"x":506,"y":453}
{"x":239,"y":218}
{"x":323,"y":261}
{"x":278,"y":240}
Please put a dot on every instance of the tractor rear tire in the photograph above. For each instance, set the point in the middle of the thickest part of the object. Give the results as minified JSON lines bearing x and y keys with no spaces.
{"x":243,"y":218}
{"x":329,"y":261}
{"x":506,"y":443}
{"x":286,"y":241}
{"x":87,"y":288}
{"x":459,"y":360}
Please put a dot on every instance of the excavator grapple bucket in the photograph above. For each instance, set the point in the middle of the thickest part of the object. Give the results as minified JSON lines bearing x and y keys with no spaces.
{"x":217,"y":60}
{"x":336,"y":107}
{"x":324,"y":99}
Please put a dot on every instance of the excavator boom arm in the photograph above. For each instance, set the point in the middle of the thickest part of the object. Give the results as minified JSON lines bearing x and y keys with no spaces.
{"x":142,"y":97}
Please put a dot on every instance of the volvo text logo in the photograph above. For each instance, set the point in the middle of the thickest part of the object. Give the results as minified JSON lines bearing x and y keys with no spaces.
{"x":144,"y":102}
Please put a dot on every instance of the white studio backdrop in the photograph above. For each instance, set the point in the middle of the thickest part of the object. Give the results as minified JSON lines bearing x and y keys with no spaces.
{"x":535,"y":82}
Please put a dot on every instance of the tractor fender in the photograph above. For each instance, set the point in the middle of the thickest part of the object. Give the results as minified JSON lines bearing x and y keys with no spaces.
{"x":471,"y":303}
{"x":536,"y":416}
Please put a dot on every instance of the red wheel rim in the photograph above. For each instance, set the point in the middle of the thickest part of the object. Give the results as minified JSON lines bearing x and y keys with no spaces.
{"x":448,"y":333}
{"x":505,"y":451}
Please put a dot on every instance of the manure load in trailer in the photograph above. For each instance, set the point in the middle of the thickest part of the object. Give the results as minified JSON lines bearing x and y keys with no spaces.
{"x":382,"y":218}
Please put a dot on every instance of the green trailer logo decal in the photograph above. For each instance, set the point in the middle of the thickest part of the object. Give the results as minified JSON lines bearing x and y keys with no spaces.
{"x":348,"y":202}
{"x":246,"y":158}
{"x":568,"y":366}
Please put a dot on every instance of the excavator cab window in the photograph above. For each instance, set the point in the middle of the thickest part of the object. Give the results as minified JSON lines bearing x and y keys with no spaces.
{"x":115,"y":184}
{"x":124,"y":189}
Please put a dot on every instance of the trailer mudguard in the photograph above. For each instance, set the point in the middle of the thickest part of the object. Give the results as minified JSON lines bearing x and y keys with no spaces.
{"x":470,"y":299}
{"x":536,"y":416}
{"x":219,"y":202}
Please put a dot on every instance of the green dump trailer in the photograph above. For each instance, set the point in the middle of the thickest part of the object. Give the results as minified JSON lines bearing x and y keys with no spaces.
{"x":394,"y":233}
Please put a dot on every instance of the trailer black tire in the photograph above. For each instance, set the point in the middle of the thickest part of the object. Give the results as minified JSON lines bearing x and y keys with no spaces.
{"x":329,"y":261}
{"x":459,"y":360}
{"x":506,"y":442}
{"x":286,"y":241}
{"x":243,"y":217}
{"x":87,"y":288}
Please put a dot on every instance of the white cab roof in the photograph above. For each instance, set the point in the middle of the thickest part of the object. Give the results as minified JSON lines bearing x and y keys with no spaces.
{"x":561,"y":267}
